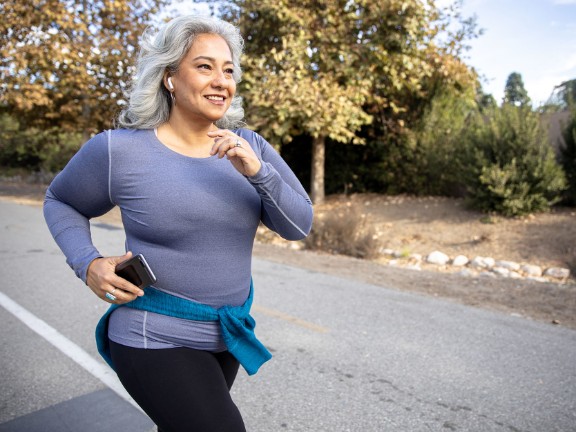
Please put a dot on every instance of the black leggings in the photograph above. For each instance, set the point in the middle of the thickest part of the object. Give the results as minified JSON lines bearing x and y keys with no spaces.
{"x":181,"y":389}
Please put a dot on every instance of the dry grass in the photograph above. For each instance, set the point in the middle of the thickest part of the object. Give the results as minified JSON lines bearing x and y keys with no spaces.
{"x":345,"y":231}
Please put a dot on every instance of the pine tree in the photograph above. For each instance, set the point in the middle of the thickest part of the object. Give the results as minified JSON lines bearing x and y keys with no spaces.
{"x":514,"y":91}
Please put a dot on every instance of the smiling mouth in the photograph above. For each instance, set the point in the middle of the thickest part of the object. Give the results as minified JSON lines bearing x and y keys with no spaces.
{"x":215,"y":98}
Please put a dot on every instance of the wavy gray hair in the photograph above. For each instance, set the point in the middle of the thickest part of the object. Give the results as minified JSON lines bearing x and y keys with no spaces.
{"x":149,"y":102}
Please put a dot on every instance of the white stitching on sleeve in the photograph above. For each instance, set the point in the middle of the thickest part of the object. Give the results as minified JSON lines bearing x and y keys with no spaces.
{"x":109,"y":134}
{"x":284,"y":214}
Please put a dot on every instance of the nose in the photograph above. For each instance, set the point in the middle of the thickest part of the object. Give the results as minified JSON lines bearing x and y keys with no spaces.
{"x":219,"y":81}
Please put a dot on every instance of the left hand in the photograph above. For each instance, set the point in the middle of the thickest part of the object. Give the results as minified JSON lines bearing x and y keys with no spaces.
{"x":237,"y":150}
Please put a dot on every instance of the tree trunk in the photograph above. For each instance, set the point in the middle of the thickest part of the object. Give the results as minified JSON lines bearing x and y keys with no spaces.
{"x":86,"y":111}
{"x":317,"y":180}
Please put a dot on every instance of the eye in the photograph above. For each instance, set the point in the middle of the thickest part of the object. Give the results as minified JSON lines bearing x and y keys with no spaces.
{"x":229,"y":71}
{"x":205,"y":66}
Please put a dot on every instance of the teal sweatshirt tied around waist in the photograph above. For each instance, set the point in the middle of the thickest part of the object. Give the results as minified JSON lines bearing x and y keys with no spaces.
{"x":235,"y":322}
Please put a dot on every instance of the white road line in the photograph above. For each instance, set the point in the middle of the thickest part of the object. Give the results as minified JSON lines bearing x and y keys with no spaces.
{"x":81,"y":357}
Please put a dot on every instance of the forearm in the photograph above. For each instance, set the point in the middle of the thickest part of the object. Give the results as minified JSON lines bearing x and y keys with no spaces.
{"x":286,"y":210}
{"x":78,"y":193}
{"x":71,"y":231}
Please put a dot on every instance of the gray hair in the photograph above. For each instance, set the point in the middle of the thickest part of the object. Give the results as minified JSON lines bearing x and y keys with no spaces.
{"x":150,"y":102}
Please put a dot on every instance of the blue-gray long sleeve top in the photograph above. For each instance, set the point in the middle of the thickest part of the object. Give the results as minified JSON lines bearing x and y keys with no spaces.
{"x":194,"y":219}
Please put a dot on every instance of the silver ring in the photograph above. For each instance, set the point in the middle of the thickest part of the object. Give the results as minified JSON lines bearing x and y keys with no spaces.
{"x":238,"y":143}
{"x":110,"y":296}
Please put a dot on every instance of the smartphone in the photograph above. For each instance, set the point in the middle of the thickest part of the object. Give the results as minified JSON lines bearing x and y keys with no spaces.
{"x":137,"y":271}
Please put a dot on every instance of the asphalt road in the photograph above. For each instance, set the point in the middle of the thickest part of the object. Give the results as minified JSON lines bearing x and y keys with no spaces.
{"x":348,"y":356}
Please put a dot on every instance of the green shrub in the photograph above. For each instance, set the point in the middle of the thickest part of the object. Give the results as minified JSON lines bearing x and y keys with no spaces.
{"x":34,"y":149}
{"x":508,"y":165}
{"x":568,"y":158}
{"x":436,"y":142}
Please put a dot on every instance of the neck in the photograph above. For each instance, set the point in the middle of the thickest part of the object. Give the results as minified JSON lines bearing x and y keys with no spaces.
{"x":192,"y":132}
{"x":187,"y":137}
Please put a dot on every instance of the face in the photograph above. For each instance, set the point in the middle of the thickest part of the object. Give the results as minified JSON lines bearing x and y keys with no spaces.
{"x":203,"y":84}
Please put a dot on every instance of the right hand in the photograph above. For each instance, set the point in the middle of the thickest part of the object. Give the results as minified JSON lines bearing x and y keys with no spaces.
{"x":102,"y":279}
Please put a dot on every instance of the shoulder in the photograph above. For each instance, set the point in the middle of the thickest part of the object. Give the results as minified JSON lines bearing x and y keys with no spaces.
{"x":95,"y":147}
{"x":124,"y":140}
{"x":117,"y":136}
{"x":128,"y":136}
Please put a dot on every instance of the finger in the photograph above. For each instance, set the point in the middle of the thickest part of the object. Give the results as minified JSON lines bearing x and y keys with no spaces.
{"x":114,"y":287}
{"x":124,"y":257}
{"x":110,"y":298}
{"x":219,"y":133}
{"x":219,"y":136}
{"x":119,"y":282}
{"x":224,"y":146}
{"x":224,"y":140}
{"x":126,"y":287}
{"x":119,"y":296}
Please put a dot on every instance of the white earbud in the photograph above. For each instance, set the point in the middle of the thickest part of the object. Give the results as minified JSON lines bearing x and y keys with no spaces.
{"x":170,"y":83}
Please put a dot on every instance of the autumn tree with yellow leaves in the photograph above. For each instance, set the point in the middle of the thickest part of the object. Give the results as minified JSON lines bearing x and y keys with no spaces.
{"x":66,"y":64}
{"x":328,"y":68}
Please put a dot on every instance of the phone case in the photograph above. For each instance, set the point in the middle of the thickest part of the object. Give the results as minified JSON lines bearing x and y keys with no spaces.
{"x":137,"y":271}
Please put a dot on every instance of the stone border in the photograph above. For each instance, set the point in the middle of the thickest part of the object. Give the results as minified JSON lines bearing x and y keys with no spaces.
{"x":478,"y":266}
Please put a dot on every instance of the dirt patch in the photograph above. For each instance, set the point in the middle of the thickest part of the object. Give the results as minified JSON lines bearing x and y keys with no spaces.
{"x":422,"y":225}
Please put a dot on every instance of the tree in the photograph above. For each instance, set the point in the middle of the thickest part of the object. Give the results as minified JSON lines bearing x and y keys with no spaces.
{"x":514,"y":91}
{"x":563,"y":96}
{"x":485,"y":100}
{"x":67,"y":63}
{"x":508,"y":164}
{"x":567,"y":91}
{"x":568,"y":157}
{"x":326,"y":68}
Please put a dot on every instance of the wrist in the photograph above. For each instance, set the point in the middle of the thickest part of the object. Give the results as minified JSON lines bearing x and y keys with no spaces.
{"x":254,"y":172}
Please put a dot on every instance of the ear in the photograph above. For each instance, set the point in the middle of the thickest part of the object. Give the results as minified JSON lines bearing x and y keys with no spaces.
{"x":168,"y":82}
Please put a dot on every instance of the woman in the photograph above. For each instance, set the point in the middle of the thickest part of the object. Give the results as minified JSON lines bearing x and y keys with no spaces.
{"x":192,"y":190}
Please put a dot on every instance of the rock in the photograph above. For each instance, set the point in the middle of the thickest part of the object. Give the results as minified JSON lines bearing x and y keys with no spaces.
{"x":509,"y":265}
{"x":466,"y":273}
{"x":415,"y":257}
{"x":479,"y":266}
{"x":482,"y":262}
{"x":531,"y":270}
{"x":460,"y":261}
{"x":438,"y":258}
{"x":557,"y":273}
{"x":537,"y":279}
{"x":501,"y":271}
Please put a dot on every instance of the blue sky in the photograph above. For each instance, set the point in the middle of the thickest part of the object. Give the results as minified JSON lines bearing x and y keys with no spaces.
{"x":536,"y":38}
